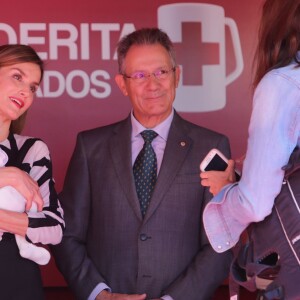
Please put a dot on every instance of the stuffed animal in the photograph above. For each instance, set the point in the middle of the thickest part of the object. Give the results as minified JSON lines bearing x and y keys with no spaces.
{"x":12,"y":200}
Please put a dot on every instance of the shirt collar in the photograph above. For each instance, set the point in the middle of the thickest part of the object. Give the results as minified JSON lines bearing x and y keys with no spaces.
{"x":162,"y":129}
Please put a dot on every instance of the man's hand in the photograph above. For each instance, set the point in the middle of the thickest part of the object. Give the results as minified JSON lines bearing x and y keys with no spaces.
{"x":216,"y":180}
{"x":105,"y":295}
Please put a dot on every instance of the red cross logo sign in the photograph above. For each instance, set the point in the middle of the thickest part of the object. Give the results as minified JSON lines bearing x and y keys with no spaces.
{"x":198,"y":33}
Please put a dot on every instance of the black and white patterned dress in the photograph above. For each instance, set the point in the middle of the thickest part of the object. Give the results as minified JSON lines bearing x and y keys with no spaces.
{"x":20,"y":278}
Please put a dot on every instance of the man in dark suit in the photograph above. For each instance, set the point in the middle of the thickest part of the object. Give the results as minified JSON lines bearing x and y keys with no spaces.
{"x":120,"y":243}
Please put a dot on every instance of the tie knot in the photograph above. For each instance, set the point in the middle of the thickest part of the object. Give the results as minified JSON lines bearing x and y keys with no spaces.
{"x":148,"y":135}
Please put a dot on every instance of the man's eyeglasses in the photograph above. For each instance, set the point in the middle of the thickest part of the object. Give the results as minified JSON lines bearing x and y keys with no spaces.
{"x":140,"y":77}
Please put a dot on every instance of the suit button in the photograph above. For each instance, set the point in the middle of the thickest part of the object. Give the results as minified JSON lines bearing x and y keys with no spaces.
{"x":143,"y":237}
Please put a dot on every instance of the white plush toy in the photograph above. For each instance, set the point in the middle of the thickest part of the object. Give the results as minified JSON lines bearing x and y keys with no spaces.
{"x":11,"y":199}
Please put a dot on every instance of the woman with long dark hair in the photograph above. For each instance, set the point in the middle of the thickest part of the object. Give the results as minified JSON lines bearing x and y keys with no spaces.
{"x":274,"y":130}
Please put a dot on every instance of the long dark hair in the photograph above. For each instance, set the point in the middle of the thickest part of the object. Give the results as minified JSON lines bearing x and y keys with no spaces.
{"x":279,"y":36}
{"x":14,"y":54}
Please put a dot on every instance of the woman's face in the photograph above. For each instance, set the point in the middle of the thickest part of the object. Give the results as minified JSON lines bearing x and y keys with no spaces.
{"x":18,"y":84}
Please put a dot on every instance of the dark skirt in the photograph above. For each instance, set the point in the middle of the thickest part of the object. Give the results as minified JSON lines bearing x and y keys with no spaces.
{"x":20,"y":278}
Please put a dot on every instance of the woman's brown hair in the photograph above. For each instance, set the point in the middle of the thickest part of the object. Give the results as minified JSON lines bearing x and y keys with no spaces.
{"x":279,"y":36}
{"x":14,"y":54}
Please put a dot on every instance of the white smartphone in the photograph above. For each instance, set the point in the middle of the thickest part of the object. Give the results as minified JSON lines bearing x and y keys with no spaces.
{"x":215,"y":160}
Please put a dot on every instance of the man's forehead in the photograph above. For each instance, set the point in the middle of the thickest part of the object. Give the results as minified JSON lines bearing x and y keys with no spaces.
{"x":147,"y":55}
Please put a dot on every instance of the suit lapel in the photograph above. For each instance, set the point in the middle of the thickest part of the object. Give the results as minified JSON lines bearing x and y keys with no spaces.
{"x":120,"y":149}
{"x":177,"y":148}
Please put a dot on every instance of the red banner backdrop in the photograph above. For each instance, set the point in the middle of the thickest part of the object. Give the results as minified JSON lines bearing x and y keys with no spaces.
{"x":215,"y":43}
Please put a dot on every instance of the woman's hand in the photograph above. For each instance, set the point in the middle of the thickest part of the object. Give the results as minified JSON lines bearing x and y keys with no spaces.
{"x":216,"y":180}
{"x":23,"y":183}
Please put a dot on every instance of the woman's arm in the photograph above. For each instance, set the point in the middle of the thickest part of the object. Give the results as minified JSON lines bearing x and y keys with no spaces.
{"x":44,"y":226}
{"x":273,"y":134}
{"x":16,"y":222}
{"x":31,"y":176}
{"x":13,"y":222}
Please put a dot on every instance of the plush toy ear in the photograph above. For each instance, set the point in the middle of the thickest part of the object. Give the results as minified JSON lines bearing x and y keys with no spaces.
{"x":3,"y":158}
{"x":30,"y":251}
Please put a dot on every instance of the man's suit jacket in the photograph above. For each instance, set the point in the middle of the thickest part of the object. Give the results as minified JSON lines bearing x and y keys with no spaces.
{"x":106,"y":239}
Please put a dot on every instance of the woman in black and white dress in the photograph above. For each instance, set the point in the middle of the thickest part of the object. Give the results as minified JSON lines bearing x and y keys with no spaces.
{"x":29,"y":171}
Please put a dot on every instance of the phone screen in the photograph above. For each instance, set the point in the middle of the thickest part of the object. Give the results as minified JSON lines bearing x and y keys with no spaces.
{"x":218,"y":164}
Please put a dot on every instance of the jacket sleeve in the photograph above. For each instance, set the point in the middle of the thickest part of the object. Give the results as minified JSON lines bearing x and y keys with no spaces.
{"x":71,"y":255}
{"x":47,"y":226}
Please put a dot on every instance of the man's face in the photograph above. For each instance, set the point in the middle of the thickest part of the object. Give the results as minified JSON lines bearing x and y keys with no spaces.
{"x":152,"y":98}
